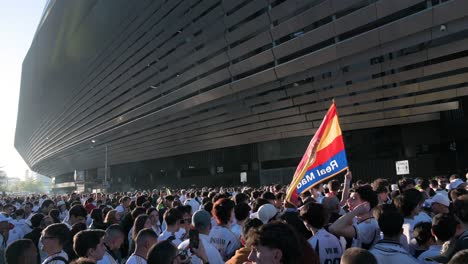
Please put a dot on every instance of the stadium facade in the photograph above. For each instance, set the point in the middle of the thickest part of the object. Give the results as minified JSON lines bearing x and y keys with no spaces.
{"x":139,"y":94}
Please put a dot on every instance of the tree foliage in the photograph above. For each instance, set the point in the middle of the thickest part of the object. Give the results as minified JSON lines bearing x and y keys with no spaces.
{"x":30,"y":186}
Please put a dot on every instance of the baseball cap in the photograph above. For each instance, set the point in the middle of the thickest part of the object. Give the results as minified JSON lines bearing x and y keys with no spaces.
{"x":60,"y":203}
{"x":440,"y":198}
{"x":201,"y":219}
{"x":455,"y":183}
{"x":266,"y":212}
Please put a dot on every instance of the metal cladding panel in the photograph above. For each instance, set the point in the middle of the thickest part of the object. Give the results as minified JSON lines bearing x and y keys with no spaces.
{"x":156,"y":79}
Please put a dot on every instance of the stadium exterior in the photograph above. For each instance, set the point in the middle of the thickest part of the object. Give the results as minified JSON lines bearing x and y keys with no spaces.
{"x":139,"y":94}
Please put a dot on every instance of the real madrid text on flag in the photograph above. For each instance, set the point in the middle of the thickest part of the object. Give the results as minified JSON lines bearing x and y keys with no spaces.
{"x":324,"y":158}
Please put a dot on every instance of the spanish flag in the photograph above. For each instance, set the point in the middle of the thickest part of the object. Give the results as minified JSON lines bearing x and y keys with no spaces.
{"x":324,"y":158}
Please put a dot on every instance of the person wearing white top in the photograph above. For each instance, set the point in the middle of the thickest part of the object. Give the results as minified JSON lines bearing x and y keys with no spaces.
{"x":221,"y":236}
{"x":201,"y":220}
{"x":359,"y":224}
{"x":113,"y":240}
{"x":328,"y":246}
{"x":53,"y":238}
{"x":145,"y":239}
{"x":172,"y":217}
{"x":388,"y":250}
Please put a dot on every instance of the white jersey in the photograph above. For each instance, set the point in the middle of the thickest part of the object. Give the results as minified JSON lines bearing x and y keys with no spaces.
{"x":49,"y":259}
{"x":367,"y":233}
{"x":225,"y":241}
{"x":327,"y":246}
{"x":165,"y":235}
{"x":135,"y":259}
{"x":211,"y":252}
{"x":434,"y":250}
{"x":390,"y":252}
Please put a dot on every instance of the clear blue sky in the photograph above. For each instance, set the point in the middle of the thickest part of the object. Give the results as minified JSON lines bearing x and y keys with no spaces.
{"x":18,"y":23}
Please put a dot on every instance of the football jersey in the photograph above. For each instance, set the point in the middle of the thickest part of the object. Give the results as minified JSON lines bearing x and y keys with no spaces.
{"x":225,"y":241}
{"x":367,"y":233}
{"x":327,"y":246}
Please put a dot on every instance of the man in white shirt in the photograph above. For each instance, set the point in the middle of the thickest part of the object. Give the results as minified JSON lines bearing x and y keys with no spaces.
{"x":359,"y":224}
{"x":443,"y":229}
{"x":388,"y":250}
{"x":172,"y":217}
{"x":53,"y":238}
{"x":145,"y":239}
{"x":328,"y":246}
{"x":201,"y":221}
{"x":192,"y":202}
{"x":113,"y":240}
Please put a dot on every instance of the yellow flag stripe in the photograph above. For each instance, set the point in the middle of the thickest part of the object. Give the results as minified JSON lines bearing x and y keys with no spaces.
{"x":331,"y":132}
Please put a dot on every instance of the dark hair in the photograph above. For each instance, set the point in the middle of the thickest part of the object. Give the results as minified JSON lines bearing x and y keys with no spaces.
{"x":241,"y":198}
{"x":356,"y":255}
{"x":444,"y":226}
{"x":242,"y":211}
{"x":278,"y":236}
{"x":140,"y":200}
{"x":460,"y":209}
{"x":124,"y":199}
{"x":83,"y":261}
{"x":114,"y":230}
{"x":46,"y":203}
{"x":208,"y":206}
{"x":314,"y":214}
{"x":403,"y":183}
{"x":162,"y":253}
{"x":249,"y":224}
{"x":390,"y":220}
{"x":77,"y":211}
{"x":55,"y":214}
{"x":460,"y":258}
{"x":334,"y":185}
{"x":15,"y":250}
{"x":85,"y":240}
{"x":36,"y":220}
{"x":139,"y":224}
{"x":257,"y":203}
{"x":367,"y":194}
{"x":268,"y":196}
{"x":408,"y":201}
{"x":96,"y":215}
{"x":59,"y":231}
{"x":222,"y":210}
{"x":172,"y":215}
{"x":422,"y":232}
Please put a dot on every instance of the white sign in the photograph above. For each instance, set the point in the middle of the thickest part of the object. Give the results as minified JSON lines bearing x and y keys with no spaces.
{"x":243,"y":176}
{"x":402,"y":167}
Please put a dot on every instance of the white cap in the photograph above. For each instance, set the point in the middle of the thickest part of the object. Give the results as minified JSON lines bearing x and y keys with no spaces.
{"x":60,"y":203}
{"x":266,"y":212}
{"x":120,"y":209}
{"x":441,"y":199}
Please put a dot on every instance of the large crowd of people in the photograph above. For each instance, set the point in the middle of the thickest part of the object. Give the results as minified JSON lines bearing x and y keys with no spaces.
{"x":411,"y":221}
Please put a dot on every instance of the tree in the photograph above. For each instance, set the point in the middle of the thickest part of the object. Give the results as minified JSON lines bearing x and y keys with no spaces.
{"x":32,"y":186}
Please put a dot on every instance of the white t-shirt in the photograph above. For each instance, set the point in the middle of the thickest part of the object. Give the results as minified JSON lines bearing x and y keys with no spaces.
{"x":433,"y":251}
{"x":165,"y":235}
{"x":61,"y":254}
{"x":389,"y":252}
{"x":135,"y":259}
{"x":367,"y":233}
{"x":211,"y":252}
{"x":327,"y":245}
{"x":107,"y":259}
{"x":225,"y":241}
{"x":237,"y":229}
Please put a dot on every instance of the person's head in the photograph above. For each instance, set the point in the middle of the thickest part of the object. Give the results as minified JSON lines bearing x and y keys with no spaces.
{"x":173,"y":217}
{"x":423,"y":235}
{"x":96,"y":215}
{"x":390,"y":220}
{"x":269,"y":196}
{"x":112,"y":217}
{"x":460,"y":209}
{"x":168,"y":201}
{"x":460,"y":258}
{"x":89,"y":244}
{"x":114,"y":237}
{"x":153,"y":215}
{"x":141,"y":222}
{"x":241,"y":211}
{"x":362,"y":194}
{"x":274,"y":243}
{"x":440,"y":204}
{"x":314,"y":215}
{"x":28,"y":208}
{"x":249,"y":224}
{"x":145,"y":239}
{"x":406,"y":184}
{"x":409,"y":202}
{"x":444,"y":227}
{"x":36,"y":220}
{"x":223,"y":211}
{"x":46,"y":206}
{"x":77,"y":214}
{"x":357,"y":255}
{"x":201,"y":221}
{"x":125,"y":201}
{"x":241,"y":198}
{"x":83,"y":260}
{"x":5,"y":227}
{"x":334,"y":186}
{"x":163,"y":253}
{"x":22,"y":251}
{"x":54,"y":237}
